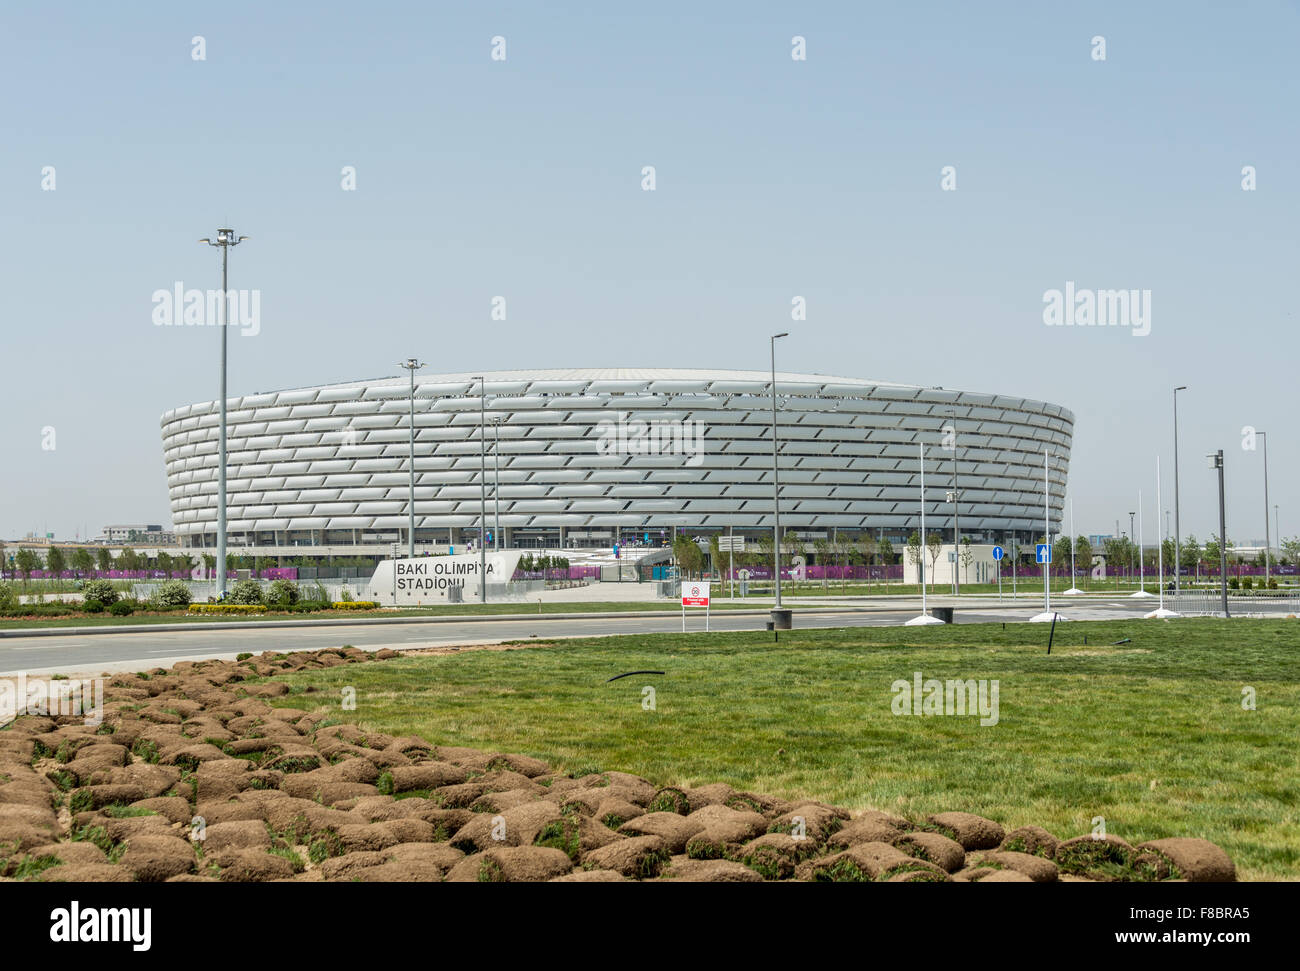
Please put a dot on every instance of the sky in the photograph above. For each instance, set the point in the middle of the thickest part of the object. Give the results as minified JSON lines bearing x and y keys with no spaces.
{"x":774,"y":177}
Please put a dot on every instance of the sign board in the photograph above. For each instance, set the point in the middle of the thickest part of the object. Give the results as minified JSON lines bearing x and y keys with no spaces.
{"x":412,"y":581}
{"x":1044,"y":553}
{"x":695,"y":594}
{"x":997,"y":553}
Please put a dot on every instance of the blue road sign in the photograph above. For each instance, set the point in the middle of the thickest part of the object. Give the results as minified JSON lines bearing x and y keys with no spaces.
{"x":1044,"y":553}
{"x":997,"y":553}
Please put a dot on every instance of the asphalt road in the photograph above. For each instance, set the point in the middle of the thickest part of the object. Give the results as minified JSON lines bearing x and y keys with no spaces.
{"x":85,"y":654}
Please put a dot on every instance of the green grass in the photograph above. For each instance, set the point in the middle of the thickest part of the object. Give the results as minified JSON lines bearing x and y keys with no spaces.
{"x":448,"y":610}
{"x":1150,"y":735}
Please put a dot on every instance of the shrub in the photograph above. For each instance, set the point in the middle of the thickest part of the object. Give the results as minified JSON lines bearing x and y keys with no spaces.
{"x":227,"y":609}
{"x":100,"y":591}
{"x":1272,"y":583}
{"x":245,"y":592}
{"x":354,"y":605}
{"x":173,"y":593}
{"x":8,"y":596}
{"x":1247,"y":583}
{"x":122,"y":608}
{"x":283,"y":593}
{"x":93,"y":607}
{"x":1233,"y":583}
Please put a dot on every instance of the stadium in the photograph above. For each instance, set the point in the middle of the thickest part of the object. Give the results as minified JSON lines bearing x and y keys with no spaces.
{"x":593,"y":457}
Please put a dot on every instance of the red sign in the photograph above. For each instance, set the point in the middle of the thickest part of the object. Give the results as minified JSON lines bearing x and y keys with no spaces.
{"x":695,"y":594}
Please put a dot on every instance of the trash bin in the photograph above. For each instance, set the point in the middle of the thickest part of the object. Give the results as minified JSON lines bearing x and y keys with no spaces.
{"x":782,"y":619}
{"x":943,"y":613}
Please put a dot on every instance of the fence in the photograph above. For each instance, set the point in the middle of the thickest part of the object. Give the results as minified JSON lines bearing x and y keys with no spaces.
{"x":1209,"y":603}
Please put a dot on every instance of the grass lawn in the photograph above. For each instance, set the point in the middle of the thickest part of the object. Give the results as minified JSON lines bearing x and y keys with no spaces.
{"x":1151,"y":734}
{"x":449,"y":610}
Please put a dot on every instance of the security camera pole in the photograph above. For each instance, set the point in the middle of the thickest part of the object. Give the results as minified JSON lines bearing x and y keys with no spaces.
{"x":412,"y":365}
{"x":225,"y":239}
{"x":1216,"y":462}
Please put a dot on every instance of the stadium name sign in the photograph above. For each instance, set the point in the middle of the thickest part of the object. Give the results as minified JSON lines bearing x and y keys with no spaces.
{"x":429,"y":579}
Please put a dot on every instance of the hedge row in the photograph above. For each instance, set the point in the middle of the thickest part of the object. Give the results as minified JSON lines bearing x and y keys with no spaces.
{"x":262,"y":608}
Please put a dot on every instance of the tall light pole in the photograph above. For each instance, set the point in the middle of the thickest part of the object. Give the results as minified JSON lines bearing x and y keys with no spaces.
{"x":956,"y":517}
{"x":1216,"y":462}
{"x":1047,"y":537}
{"x":496,"y":483}
{"x":1267,"y":540}
{"x":776,"y":484}
{"x":1131,"y":534}
{"x":482,"y":486}
{"x":226,"y":238}
{"x":1178,"y":555}
{"x":412,"y":364}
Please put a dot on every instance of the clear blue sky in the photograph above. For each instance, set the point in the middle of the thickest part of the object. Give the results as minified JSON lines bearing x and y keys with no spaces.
{"x":521,"y":178}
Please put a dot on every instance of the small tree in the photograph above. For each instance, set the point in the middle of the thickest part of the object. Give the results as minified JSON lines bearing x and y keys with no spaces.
{"x":1291,"y":550}
{"x":1061,"y":554}
{"x":1212,"y":551}
{"x":1190,"y":551}
{"x":1083,"y":556}
{"x":914,"y":554}
{"x":824,"y":558}
{"x":82,"y":561}
{"x":934,"y":543}
{"x":967,"y":555}
{"x":55,"y":561}
{"x":25,"y":561}
{"x":104,"y":559}
{"x":885,"y":550}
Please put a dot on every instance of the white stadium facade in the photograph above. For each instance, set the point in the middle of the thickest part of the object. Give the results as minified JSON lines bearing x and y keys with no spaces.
{"x":590,"y":457}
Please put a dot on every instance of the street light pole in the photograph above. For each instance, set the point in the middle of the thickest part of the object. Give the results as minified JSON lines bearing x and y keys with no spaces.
{"x":776,"y":484}
{"x":956,"y":516}
{"x":412,"y":364}
{"x":1178,"y":556}
{"x":1047,"y":537}
{"x":225,"y":239}
{"x":482,"y":486}
{"x":1267,"y":540}
{"x":496,"y":483}
{"x":1131,"y":534}
{"x":1216,"y":462}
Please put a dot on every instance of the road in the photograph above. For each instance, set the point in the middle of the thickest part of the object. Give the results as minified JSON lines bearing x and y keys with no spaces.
{"x":86,"y":654}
